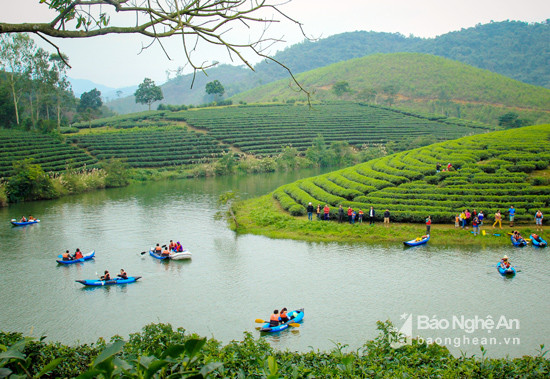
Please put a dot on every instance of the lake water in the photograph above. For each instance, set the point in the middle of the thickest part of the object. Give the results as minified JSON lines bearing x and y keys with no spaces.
{"x":234,"y":279}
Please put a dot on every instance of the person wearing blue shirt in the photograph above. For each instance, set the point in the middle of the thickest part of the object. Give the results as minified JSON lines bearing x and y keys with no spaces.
{"x":511,"y":213}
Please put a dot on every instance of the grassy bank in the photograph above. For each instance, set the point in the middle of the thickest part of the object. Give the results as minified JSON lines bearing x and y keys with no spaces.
{"x":263,"y":216}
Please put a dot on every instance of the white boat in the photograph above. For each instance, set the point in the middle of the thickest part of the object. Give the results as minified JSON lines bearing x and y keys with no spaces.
{"x":185,"y":254}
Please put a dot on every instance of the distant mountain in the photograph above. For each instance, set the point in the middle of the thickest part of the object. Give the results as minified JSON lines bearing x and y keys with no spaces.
{"x":80,"y":86}
{"x":516,"y":49}
{"x":420,"y":82}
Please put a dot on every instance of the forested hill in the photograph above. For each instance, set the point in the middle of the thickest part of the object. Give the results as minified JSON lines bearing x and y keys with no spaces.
{"x":515,"y":49}
{"x":420,"y":82}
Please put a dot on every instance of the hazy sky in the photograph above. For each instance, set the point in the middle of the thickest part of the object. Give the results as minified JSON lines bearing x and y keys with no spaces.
{"x":114,"y":61}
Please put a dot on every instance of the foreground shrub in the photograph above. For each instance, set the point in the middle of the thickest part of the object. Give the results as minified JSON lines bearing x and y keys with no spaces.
{"x":161,"y":352}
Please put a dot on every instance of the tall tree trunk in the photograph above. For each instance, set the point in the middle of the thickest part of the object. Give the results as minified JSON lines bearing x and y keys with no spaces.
{"x":15,"y":101}
{"x":58,"y":115}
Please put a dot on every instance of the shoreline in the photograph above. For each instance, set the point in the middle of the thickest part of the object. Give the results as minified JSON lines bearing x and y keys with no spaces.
{"x":263,"y":216}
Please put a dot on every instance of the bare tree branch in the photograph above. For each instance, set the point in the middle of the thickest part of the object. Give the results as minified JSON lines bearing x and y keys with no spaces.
{"x":211,"y":21}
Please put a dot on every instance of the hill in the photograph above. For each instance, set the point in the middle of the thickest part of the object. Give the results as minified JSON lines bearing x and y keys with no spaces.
{"x":420,"y":82}
{"x":263,"y":130}
{"x":512,"y":48}
{"x":491,"y":172}
{"x":160,"y":139}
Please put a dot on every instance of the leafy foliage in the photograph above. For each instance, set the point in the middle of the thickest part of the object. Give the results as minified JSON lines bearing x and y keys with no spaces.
{"x":148,"y":92}
{"x":29,"y":182}
{"x":161,"y":352}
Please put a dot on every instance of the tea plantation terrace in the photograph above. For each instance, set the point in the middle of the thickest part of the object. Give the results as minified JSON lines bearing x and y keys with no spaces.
{"x":493,"y":171}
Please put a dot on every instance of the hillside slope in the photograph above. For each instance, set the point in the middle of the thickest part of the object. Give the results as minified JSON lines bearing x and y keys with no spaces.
{"x":421,"y":82}
{"x":490,"y":172}
{"x":516,"y":49}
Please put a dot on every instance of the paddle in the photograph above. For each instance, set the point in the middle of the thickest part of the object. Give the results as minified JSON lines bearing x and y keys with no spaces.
{"x":260,"y":321}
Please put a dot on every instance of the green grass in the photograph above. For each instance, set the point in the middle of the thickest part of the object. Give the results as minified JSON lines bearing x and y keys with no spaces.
{"x":263,"y":216}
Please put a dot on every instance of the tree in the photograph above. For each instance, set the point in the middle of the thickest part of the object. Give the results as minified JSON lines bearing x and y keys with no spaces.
{"x":340,"y":88}
{"x":89,"y":105}
{"x":63,"y":93}
{"x":148,"y":93}
{"x":215,"y":88}
{"x":210,"y":21}
{"x":15,"y":57}
{"x":29,"y":182}
{"x":511,"y":120}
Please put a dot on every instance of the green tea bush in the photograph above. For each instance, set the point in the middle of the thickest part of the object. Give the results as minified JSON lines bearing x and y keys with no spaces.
{"x":411,"y":189}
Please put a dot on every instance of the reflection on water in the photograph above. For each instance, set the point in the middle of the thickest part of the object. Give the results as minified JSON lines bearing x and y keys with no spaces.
{"x":232,"y":280}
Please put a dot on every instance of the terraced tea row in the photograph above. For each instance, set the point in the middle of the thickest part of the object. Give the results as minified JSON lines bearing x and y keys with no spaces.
{"x":490,"y":172}
{"x":51,"y":153}
{"x":265,"y":130}
{"x":157,"y":147}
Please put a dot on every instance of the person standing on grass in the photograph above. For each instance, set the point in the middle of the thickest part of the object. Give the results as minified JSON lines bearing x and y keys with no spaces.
{"x":371,"y":216}
{"x":360,"y":216}
{"x":512,"y":214}
{"x":475,"y":225}
{"x":538,"y":220}
{"x":387,"y":218}
{"x":318,"y":211}
{"x":340,"y":214}
{"x":480,"y":217}
{"x":350,"y":211}
{"x":463,"y":219}
{"x":310,"y":211}
{"x":428,"y":224}
{"x":498,"y":219}
{"x":326,"y":209}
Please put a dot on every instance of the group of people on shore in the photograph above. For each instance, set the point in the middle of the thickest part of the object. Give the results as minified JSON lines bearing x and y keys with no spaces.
{"x":476,"y":219}
{"x":169,"y":249}
{"x":350,"y":214}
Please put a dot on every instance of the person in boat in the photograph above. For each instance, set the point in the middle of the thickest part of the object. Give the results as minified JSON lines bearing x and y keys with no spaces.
{"x":517,"y":236}
{"x":66,"y":256}
{"x":504,"y":262}
{"x":172,"y":246}
{"x":283,"y":316}
{"x":179,"y":248}
{"x":536,"y":237}
{"x":31,"y":218}
{"x":123,"y":274}
{"x":274,"y":319}
{"x":166,"y":252}
{"x":158,"y":249}
{"x":106,"y":275}
{"x":23,"y":219}
{"x":78,"y":254}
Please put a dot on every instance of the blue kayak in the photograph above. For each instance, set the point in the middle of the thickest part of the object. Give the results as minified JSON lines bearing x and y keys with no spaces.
{"x":18,"y":223}
{"x":158,"y":256}
{"x":538,"y":241}
{"x":97,"y":282}
{"x":519,"y":243}
{"x":418,"y":241}
{"x":294,"y":317}
{"x":506,"y":271}
{"x":84,"y":258}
